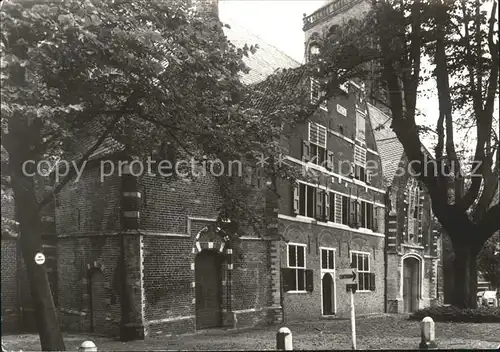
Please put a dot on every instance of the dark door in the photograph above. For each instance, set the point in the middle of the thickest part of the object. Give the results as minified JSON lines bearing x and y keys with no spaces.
{"x":410,"y":284}
{"x":98,"y":296}
{"x":208,"y":290}
{"x":328,"y":295}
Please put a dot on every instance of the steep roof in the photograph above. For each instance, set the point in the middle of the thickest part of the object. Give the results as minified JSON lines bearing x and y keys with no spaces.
{"x":389,"y":147}
{"x":266,"y":60}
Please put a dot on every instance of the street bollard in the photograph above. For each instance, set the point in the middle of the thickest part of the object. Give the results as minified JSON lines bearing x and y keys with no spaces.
{"x":284,"y":340}
{"x":427,"y":334}
{"x":87,"y":346}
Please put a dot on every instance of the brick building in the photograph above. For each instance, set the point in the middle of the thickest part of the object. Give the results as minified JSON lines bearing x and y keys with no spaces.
{"x":139,"y":256}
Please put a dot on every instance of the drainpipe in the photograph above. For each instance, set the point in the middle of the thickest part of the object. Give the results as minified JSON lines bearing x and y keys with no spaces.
{"x":282,"y":300}
{"x":386,"y":247}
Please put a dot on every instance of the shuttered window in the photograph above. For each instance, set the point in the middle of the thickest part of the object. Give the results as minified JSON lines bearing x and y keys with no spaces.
{"x":359,"y":156}
{"x":296,"y":277}
{"x":317,"y":134}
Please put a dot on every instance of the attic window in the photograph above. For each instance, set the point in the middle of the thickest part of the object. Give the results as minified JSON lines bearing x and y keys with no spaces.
{"x":317,"y":94}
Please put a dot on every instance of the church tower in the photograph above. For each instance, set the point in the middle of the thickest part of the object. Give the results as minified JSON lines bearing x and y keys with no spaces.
{"x":333,"y":14}
{"x":328,"y":17}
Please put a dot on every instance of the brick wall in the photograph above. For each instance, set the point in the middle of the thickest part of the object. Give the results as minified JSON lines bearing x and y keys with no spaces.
{"x":307,"y":306}
{"x":10,"y":300}
{"x":89,"y":206}
{"x":77,"y":256}
{"x":87,"y":222}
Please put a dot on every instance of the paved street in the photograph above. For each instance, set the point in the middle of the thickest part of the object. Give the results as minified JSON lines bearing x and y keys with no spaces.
{"x":381,"y":332}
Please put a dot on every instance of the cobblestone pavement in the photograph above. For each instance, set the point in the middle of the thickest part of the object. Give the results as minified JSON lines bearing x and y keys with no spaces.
{"x":382,"y":332}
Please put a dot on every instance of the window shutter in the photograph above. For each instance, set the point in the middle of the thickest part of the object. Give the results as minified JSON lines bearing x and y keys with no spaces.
{"x":329,"y":160}
{"x":296,"y":199}
{"x":338,"y":208}
{"x":359,"y":213}
{"x":353,"y":170}
{"x":288,"y":276}
{"x":372,"y":281}
{"x":326,"y":215}
{"x":306,"y":150}
{"x":309,"y":280}
{"x":375,"y":219}
{"x":319,"y":204}
{"x":352,"y":212}
{"x":357,"y":172}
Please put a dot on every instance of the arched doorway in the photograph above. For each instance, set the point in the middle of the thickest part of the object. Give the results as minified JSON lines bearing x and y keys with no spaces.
{"x":98,"y":301}
{"x":411,"y":284}
{"x":328,"y":293}
{"x":208,"y":289}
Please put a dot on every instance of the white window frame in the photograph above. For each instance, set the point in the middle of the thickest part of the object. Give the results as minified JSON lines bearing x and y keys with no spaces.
{"x":306,"y":187}
{"x":362,"y":271}
{"x":332,"y":272}
{"x":315,"y":85}
{"x":297,"y":267}
{"x":321,"y":130}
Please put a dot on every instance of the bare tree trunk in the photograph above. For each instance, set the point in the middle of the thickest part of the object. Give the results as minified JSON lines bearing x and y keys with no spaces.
{"x":465,"y":275}
{"x":46,"y":316}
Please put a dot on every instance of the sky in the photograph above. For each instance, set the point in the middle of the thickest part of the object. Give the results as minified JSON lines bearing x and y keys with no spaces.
{"x":279,"y":23}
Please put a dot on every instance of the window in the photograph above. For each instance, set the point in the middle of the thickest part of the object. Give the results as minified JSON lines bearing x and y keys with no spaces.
{"x":295,"y":276}
{"x":311,"y":201}
{"x":327,"y":259}
{"x":317,"y":140}
{"x":413,"y":210}
{"x":317,"y":94}
{"x":345,"y":210}
{"x":360,"y":126}
{"x":367,"y":215}
{"x":314,"y":149}
{"x":360,"y":163}
{"x":361,"y":261}
{"x":314,"y":51}
{"x":331,"y":207}
{"x":306,"y":200}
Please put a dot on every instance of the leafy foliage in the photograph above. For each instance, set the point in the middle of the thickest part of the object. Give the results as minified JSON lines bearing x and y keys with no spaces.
{"x":489,"y":260}
{"x":459,"y":315}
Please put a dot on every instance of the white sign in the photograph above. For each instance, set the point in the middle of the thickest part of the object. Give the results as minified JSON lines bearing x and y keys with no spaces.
{"x":341,"y":110}
{"x":39,"y":258}
{"x":348,"y":276}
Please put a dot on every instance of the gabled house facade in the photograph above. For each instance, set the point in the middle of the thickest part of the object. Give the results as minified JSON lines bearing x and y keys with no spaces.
{"x":333,"y":219}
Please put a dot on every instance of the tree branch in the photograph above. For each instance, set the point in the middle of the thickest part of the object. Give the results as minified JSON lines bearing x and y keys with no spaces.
{"x":489,"y":224}
{"x":48,"y":198}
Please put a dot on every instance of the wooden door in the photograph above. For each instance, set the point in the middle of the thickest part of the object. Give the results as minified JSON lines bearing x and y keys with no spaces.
{"x":410,"y":285}
{"x":98,"y":297}
{"x":328,"y":294}
{"x":208,"y":290}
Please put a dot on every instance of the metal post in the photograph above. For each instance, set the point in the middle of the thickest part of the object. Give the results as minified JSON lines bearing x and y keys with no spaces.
{"x":284,"y":340}
{"x":353,"y":320}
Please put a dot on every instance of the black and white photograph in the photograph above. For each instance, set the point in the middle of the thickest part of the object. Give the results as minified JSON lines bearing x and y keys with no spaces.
{"x":248,"y":175}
